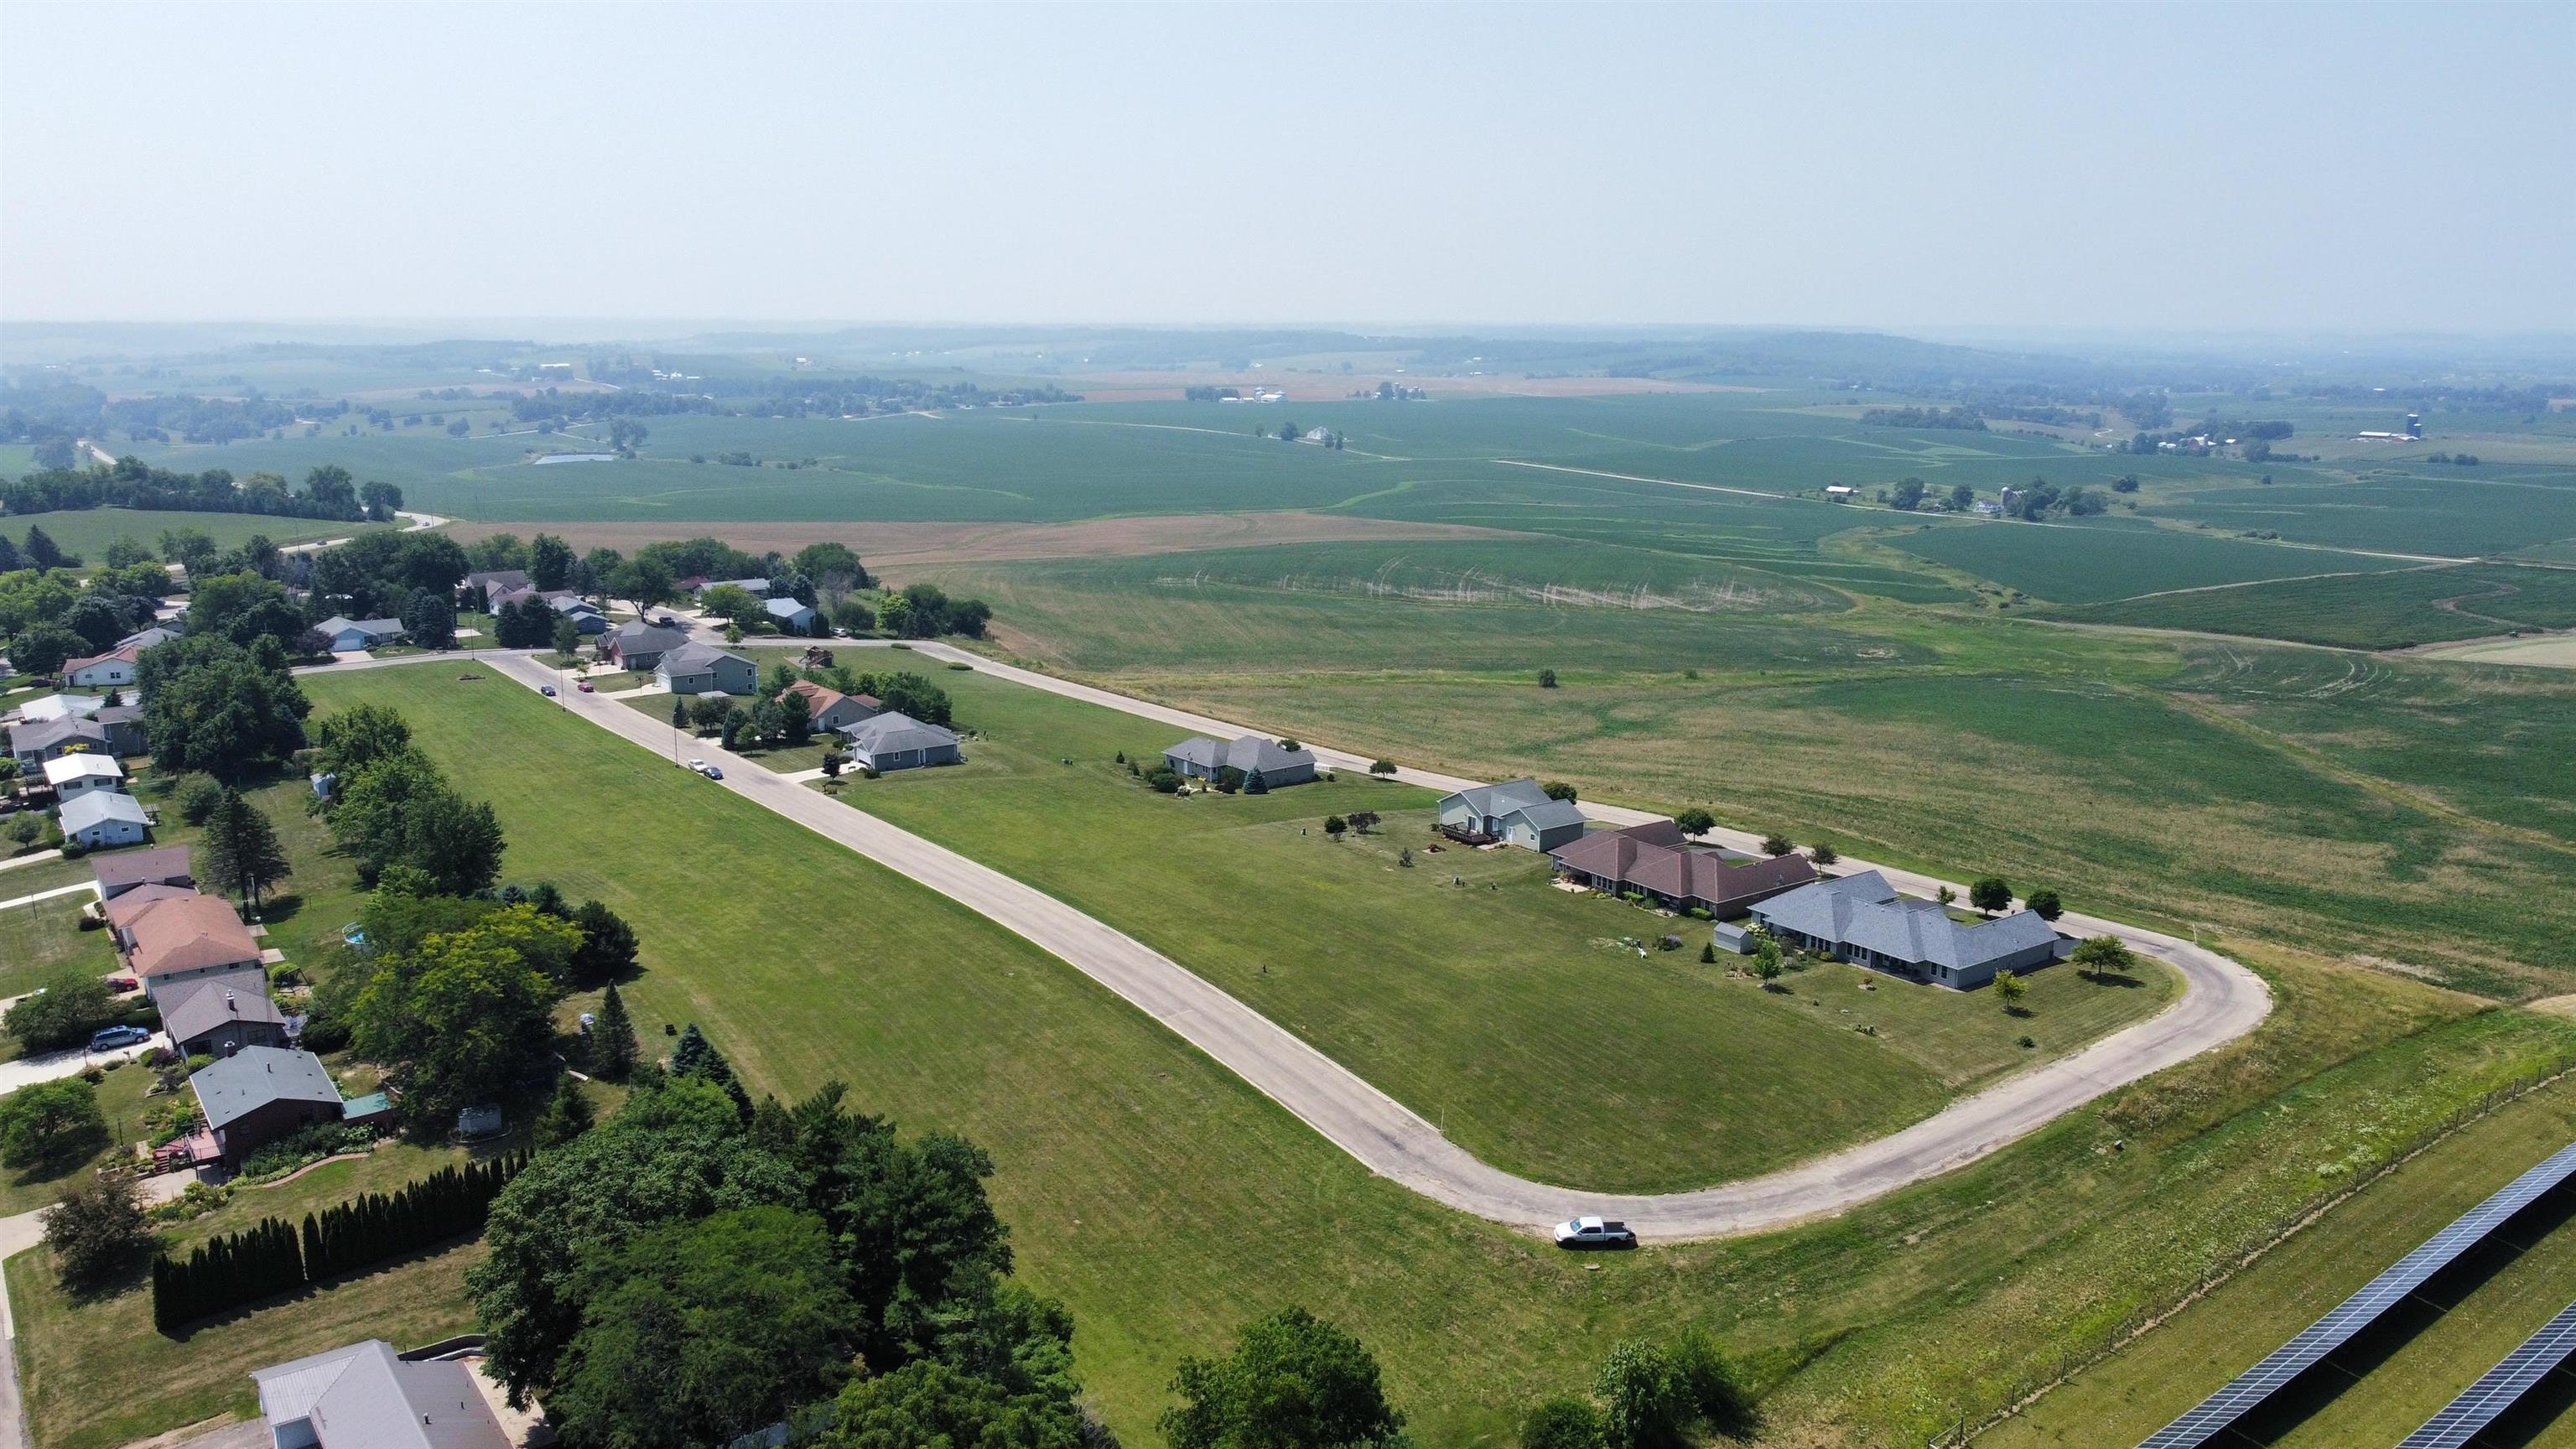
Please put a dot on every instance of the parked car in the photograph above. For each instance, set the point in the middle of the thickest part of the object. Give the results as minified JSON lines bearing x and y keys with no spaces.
{"x":547,"y":690}
{"x":122,"y":983}
{"x":698,"y":765}
{"x":108,"y":1039}
{"x":1594,"y":1233}
{"x":585,"y":688}
{"x":714,"y":773}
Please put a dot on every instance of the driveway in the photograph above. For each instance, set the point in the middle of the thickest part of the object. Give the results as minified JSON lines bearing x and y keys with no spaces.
{"x":2220,"y":1002}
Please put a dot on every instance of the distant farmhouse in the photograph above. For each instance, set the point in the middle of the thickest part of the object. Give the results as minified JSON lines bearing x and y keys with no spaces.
{"x":1861,"y":919}
{"x":1201,"y":758}
{"x":1656,"y":861}
{"x":1516,"y":811}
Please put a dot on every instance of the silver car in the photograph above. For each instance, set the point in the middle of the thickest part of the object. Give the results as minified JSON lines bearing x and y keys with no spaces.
{"x":1589,"y":1232}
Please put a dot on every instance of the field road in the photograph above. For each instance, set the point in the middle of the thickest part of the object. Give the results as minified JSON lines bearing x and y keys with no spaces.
{"x":2221,"y":1001}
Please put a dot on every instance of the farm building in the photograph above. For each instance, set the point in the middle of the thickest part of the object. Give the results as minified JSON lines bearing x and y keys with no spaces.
{"x":893,"y":741}
{"x":1201,"y":758}
{"x":99,"y":819}
{"x":1657,"y":861}
{"x":1861,"y":919}
{"x":695,"y":668}
{"x":1517,"y":811}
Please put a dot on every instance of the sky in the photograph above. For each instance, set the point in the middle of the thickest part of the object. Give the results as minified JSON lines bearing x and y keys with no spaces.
{"x":2231,"y":168}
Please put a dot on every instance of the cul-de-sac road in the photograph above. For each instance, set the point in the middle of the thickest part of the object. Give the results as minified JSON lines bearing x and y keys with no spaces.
{"x":2221,"y":1001}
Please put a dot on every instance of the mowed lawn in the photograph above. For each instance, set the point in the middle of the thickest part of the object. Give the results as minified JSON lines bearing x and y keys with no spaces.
{"x":1520,"y":1017}
{"x":37,"y":939}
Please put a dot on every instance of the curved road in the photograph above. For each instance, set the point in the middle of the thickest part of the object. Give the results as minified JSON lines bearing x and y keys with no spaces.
{"x":2221,"y":1001}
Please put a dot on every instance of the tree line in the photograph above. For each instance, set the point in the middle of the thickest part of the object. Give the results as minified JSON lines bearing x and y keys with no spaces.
{"x":328,"y":492}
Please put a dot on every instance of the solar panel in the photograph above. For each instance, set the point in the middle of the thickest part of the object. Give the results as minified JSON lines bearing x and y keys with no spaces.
{"x":2362,"y":1309}
{"x":2499,"y":1388}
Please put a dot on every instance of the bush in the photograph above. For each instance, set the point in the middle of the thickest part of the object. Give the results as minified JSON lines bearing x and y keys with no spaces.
{"x":97,"y":1228}
{"x":1565,"y":1422}
{"x":321,"y":1140}
{"x":1164,"y":782}
{"x":197,"y":795}
{"x":2045,"y":904}
{"x":1776,"y":845}
{"x":1823,"y":854}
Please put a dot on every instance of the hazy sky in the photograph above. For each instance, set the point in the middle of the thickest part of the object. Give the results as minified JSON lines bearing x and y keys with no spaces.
{"x":2250,"y":167}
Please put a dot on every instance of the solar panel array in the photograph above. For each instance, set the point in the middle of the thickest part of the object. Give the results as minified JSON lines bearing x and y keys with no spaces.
{"x":2250,"y":1388}
{"x":2499,"y":1388}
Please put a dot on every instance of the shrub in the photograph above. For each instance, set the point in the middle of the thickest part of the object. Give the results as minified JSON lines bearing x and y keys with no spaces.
{"x":197,"y":795}
{"x":1547,"y":679}
{"x":1565,"y":1422}
{"x":1823,"y":854}
{"x":1164,"y":782}
{"x":1382,"y":767}
{"x":1558,"y":790}
{"x":1776,"y":845}
{"x":1334,"y":825}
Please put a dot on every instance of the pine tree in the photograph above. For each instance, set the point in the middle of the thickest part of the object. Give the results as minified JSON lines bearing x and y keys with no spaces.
{"x":239,"y":851}
{"x":612,"y":1038}
{"x":695,"y":1056}
{"x":567,"y":1115}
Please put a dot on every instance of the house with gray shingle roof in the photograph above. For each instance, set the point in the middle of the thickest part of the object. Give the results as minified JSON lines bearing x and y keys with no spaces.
{"x":638,"y":645}
{"x":366,"y":1396}
{"x":1861,"y":919}
{"x":219,"y":1015}
{"x":259,"y":1094}
{"x":1201,"y":758}
{"x":892,"y":741}
{"x":1518,"y":811}
{"x":695,"y":668}
{"x":347,"y":634}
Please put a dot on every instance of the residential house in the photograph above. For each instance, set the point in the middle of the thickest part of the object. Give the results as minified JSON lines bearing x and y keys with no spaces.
{"x":757,"y":588}
{"x":695,"y":668}
{"x":1517,"y":811}
{"x":262,"y":1093}
{"x":585,"y":615}
{"x":110,"y":670}
{"x":347,"y":634}
{"x":73,"y":776}
{"x":497,"y":581}
{"x":124,"y":726}
{"x":100,"y":819}
{"x":790,"y":616}
{"x":638,"y":645}
{"x":47,"y":707}
{"x":1201,"y":758}
{"x":1861,"y":919}
{"x":829,"y":709}
{"x":219,"y":1015}
{"x":366,"y":1396}
{"x":1656,"y":860}
{"x":892,"y":741}
{"x":167,"y":866}
{"x":170,"y":936}
{"x":147,"y":637}
{"x":33,"y":744}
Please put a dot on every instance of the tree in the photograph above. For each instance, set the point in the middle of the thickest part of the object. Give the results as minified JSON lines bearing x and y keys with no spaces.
{"x":465,"y":1014}
{"x":795,"y":722}
{"x":852,"y":613}
{"x":567,"y":1114}
{"x":1558,"y":790}
{"x":1334,"y":825}
{"x":61,"y":1010}
{"x":645,"y":580}
{"x":2044,"y":904}
{"x":1962,"y":498}
{"x":1256,"y":783}
{"x":1907,"y":496}
{"x":456,"y":841}
{"x":2100,"y":956}
{"x":42,"y":648}
{"x":2010,"y":989}
{"x":1382,"y":767}
{"x":1945,"y":895}
{"x":1564,"y":1422}
{"x":430,"y":619}
{"x":1695,"y":821}
{"x":1365,"y":821}
{"x":355,"y":736}
{"x":1776,"y":844}
{"x":695,"y":1057}
{"x":1645,"y":1400}
{"x":894,"y":617}
{"x":1547,"y":679}
{"x":931,"y":1403}
{"x":1293,"y":1381}
{"x":1823,"y":854}
{"x":1708,"y":953}
{"x":1990,"y":893}
{"x":96,"y":1229}
{"x":51,"y":1125}
{"x":567,"y":637}
{"x":607,"y":949}
{"x":209,"y":704}
{"x":612,"y":1038}
{"x":44,"y":553}
{"x":550,"y":562}
{"x":1767,"y":962}
{"x":679,"y":713}
{"x":239,"y":851}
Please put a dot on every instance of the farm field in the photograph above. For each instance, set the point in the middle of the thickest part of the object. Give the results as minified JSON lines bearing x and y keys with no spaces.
{"x":2370,"y":611}
{"x":87,"y":532}
{"x":2400,"y":1372}
{"x":2090,"y":563}
{"x":1164,"y":1202}
{"x":1465,"y":986}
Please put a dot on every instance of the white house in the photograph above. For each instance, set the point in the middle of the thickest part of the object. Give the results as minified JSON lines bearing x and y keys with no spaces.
{"x":102,"y":671}
{"x":101,"y":818}
{"x":73,"y":775}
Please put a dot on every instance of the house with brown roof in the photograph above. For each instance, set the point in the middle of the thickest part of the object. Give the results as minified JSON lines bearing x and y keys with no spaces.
{"x":829,"y":709}
{"x":171,"y":935}
{"x":124,"y":870}
{"x":1657,"y":861}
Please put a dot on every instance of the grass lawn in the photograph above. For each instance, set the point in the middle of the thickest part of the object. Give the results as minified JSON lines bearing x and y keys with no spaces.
{"x":2397,"y":1374}
{"x":1464,"y":985}
{"x":89,"y":531}
{"x":120,"y":1099}
{"x":1165,"y":1202}
{"x":37,"y":939}
{"x":44,"y":875}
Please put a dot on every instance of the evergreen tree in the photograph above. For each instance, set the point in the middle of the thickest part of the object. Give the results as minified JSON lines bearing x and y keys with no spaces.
{"x":612,"y":1038}
{"x":607,"y":943}
{"x":239,"y":851}
{"x":695,"y":1056}
{"x":567,"y":1114}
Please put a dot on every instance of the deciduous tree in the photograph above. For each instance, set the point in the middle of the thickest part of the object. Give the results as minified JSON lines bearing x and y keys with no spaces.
{"x":1293,"y":1381}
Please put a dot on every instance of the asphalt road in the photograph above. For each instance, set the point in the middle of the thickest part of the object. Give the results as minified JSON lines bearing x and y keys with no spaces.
{"x":2220,"y":1002}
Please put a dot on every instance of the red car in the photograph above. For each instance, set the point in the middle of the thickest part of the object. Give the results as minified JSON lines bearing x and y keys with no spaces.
{"x":121,"y":983}
{"x":584,"y":687}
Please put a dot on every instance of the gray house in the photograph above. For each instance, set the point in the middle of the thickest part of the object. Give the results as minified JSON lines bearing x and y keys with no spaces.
{"x":366,"y":1396}
{"x":102,"y":818}
{"x":1518,"y":811}
{"x":695,"y":668}
{"x":348,"y":634}
{"x":44,"y":740}
{"x":1861,"y":919}
{"x":638,"y":645}
{"x":893,"y":741}
{"x":218,"y":1015}
{"x":791,"y":616}
{"x":1201,"y":758}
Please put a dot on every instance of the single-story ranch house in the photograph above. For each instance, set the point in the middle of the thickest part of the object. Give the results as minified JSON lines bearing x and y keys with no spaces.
{"x":640,"y":646}
{"x":1201,"y":758}
{"x":893,"y":741}
{"x":366,"y":1396}
{"x":827,"y":708}
{"x":102,"y":818}
{"x":791,"y":616}
{"x":259,"y":1094}
{"x":695,"y":668}
{"x":103,"y":671}
{"x":1861,"y":919}
{"x":1517,"y":811}
{"x":347,"y":634}
{"x":1656,"y":860}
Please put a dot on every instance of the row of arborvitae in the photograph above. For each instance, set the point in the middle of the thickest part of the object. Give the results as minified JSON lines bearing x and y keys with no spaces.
{"x":269,"y":1258}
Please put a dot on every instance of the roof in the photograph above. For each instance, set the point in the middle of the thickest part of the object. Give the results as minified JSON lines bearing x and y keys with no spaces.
{"x":696,"y":658}
{"x":199,"y":1006}
{"x":508,"y":578}
{"x":122,"y":911}
{"x":819,"y":698}
{"x":641,"y":637}
{"x":1248,"y":753}
{"x":45,"y":734}
{"x":117,"y":714}
{"x":1864,"y":910}
{"x":570,"y":603}
{"x":1656,"y":857}
{"x":131,"y":867}
{"x":60,"y":706}
{"x":256,"y":1076}
{"x":98,"y":807}
{"x":891,"y":733}
{"x":755,"y":586}
{"x":786,"y":608}
{"x":146,"y":638}
{"x":1504,"y":798}
{"x":88,"y":765}
{"x":365,"y":1396}
{"x":1545,"y":815}
{"x":185,"y":931}
{"x":126,"y":652}
{"x":372,"y":628}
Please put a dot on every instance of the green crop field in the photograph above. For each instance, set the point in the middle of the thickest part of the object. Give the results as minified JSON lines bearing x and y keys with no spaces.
{"x":2110,"y":560}
{"x":2419,"y":509}
{"x":2371,"y":611}
{"x":2402,"y":1370}
{"x":1547,"y":1046}
{"x":88,"y":532}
